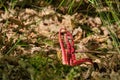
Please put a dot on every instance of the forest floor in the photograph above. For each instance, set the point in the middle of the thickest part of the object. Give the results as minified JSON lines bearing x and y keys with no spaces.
{"x":29,"y":46}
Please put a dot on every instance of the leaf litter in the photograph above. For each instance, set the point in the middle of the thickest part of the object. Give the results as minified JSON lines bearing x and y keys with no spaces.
{"x":38,"y":33}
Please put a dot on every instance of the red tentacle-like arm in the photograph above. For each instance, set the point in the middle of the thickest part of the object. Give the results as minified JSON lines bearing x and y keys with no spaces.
{"x":64,"y":53}
{"x":68,"y":56}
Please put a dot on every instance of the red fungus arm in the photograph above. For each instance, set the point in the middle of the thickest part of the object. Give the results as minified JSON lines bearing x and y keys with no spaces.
{"x":81,"y":61}
{"x":68,"y":56}
{"x":64,"y":53}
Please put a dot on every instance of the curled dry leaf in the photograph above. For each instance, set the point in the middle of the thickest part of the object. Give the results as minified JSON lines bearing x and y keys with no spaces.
{"x":94,"y":37}
{"x":96,"y":30}
{"x":80,"y":18}
{"x":5,"y":15}
{"x":94,"y":22}
{"x":97,"y":60}
{"x":47,"y":10}
{"x":67,"y":22}
{"x":35,"y":49}
{"x":105,"y":31}
{"x":77,"y":33}
{"x":10,"y":35}
{"x":103,"y":9}
{"x":30,"y":11}
{"x":109,"y":44}
{"x":81,"y":47}
{"x":118,"y":33}
{"x":97,"y":20}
